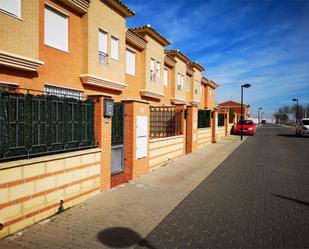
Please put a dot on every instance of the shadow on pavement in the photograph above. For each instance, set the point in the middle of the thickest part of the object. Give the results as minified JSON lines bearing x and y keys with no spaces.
{"x":121,"y":237}
{"x":292,"y":199}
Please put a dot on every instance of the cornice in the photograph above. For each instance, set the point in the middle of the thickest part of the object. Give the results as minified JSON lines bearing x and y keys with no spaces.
{"x":19,"y":62}
{"x":176,"y":101}
{"x":151,"y":94}
{"x":136,"y":39}
{"x":94,"y":80}
{"x":81,"y":6}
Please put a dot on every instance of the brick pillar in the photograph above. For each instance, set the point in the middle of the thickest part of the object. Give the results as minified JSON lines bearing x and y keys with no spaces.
{"x":181,"y":108}
{"x":134,"y":167}
{"x":191,"y":143}
{"x":226,"y":122}
{"x":214,"y":126}
{"x":102,"y":133}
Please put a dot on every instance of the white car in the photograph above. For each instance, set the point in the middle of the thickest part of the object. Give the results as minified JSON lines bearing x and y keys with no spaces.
{"x":302,"y":128}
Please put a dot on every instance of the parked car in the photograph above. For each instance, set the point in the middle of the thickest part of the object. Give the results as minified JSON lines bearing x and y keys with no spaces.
{"x":249,"y":127}
{"x":302,"y":128}
{"x":263,"y":121}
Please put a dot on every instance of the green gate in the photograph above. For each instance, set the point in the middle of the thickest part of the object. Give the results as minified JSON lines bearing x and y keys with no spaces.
{"x":117,"y":138}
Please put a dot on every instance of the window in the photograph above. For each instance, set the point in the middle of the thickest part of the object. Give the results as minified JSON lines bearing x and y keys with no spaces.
{"x":12,"y":7}
{"x":196,"y":87}
{"x":102,"y":47}
{"x":130,"y":62}
{"x":182,"y":81}
{"x":114,"y":47}
{"x":63,"y":92}
{"x":165,"y":77}
{"x":179,"y":81}
{"x":187,"y":84}
{"x":152,"y":69}
{"x":210,"y":92}
{"x":56,"y":29}
{"x":158,"y":69}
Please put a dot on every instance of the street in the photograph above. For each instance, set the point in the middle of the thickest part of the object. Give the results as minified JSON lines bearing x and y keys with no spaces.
{"x":258,"y":197}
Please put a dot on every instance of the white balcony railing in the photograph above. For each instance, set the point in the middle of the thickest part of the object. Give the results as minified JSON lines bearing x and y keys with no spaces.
{"x":103,"y":58}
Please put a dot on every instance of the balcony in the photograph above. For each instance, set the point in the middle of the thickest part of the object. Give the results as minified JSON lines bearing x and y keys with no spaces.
{"x":103,"y":58}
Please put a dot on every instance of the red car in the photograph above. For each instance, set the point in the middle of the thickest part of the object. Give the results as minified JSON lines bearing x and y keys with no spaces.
{"x":248,"y":127}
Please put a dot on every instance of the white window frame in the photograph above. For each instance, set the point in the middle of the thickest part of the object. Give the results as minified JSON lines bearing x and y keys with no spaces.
{"x":16,"y":14}
{"x":152,"y":69}
{"x":182,"y":81}
{"x":165,"y":77}
{"x":102,"y":50}
{"x":187,"y":84}
{"x":179,"y":81}
{"x":114,"y":51}
{"x":130,"y":66}
{"x":49,"y":43}
{"x":158,"y":69}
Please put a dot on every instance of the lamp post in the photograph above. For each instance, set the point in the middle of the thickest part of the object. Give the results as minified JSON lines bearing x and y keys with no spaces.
{"x":259,"y":109}
{"x":296,"y":109}
{"x":241,"y":109}
{"x":262,"y":115}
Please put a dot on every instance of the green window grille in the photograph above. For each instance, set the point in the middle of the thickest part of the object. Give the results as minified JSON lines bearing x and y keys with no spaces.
{"x":220,"y":119}
{"x":204,"y":117}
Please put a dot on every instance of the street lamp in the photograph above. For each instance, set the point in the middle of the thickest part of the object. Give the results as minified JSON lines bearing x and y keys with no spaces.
{"x":241,"y":109}
{"x":259,"y":109}
{"x":296,"y":109}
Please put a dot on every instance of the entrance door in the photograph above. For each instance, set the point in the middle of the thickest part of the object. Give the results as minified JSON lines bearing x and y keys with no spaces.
{"x":117,"y":139}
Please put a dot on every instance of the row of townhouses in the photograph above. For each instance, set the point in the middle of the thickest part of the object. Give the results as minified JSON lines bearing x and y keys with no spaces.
{"x":87,"y":104}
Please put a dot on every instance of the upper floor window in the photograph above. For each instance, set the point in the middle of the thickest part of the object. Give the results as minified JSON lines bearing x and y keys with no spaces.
{"x":11,"y":7}
{"x":210,"y":92}
{"x":114,"y":48}
{"x":187,"y":84}
{"x":102,"y":47}
{"x":130,"y":62}
{"x":165,"y":77}
{"x":56,"y":29}
{"x":152,"y":69}
{"x":196,"y":87}
{"x":179,"y":81}
{"x":158,"y":69}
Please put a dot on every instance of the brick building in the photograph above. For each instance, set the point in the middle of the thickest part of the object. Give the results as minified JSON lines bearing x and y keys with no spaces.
{"x":62,"y":64}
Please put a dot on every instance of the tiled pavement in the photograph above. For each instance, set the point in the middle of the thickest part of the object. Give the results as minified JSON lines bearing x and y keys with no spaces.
{"x":257,"y":198}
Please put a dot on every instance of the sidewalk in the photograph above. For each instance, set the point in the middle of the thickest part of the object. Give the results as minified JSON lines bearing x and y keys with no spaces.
{"x":129,"y":211}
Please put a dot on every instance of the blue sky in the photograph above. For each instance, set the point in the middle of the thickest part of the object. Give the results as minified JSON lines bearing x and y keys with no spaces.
{"x":263,"y":42}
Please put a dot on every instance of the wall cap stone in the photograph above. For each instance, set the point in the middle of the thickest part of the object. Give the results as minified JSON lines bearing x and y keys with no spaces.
{"x":153,"y":140}
{"x":23,"y":162}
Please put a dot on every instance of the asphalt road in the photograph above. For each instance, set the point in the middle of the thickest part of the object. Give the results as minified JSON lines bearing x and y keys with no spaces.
{"x":257,"y":198}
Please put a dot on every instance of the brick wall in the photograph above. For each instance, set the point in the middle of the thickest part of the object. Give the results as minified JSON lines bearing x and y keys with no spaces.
{"x":31,"y":189}
{"x":162,"y":150}
{"x":203,"y":137}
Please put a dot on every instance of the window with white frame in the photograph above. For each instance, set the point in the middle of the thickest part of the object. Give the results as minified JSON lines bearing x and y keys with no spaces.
{"x":152,"y":69}
{"x":114,"y":48}
{"x":182,"y":81}
{"x":102,"y":47}
{"x":63,"y":92}
{"x":210,"y":92}
{"x":165,"y":77}
{"x":11,"y":7}
{"x":196,"y":87}
{"x":130,"y":62}
{"x":56,"y":33}
{"x":179,"y":81}
{"x":158,"y":69}
{"x":187,"y":84}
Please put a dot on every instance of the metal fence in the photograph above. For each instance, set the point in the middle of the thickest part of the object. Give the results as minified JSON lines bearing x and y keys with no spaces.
{"x":204,"y":117}
{"x":221,"y":119}
{"x":32,"y":125}
{"x":165,"y":121}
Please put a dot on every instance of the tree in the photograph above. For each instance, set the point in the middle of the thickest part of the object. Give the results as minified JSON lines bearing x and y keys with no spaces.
{"x":282,"y":114}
